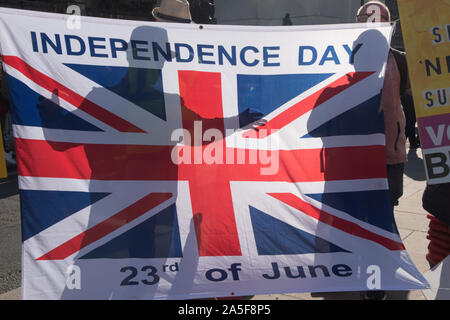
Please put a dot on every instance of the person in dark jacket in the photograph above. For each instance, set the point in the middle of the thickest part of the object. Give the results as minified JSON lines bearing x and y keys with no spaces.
{"x":406,"y":99}
{"x":436,"y":201}
{"x":6,"y":123}
{"x":394,"y":117}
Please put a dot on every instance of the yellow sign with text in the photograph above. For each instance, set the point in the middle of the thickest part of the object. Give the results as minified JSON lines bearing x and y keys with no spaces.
{"x":426,"y":34}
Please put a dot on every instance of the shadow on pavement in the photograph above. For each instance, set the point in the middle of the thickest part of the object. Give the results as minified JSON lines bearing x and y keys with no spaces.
{"x":414,"y":168}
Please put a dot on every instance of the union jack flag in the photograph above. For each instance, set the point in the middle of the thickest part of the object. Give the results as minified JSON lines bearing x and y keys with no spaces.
{"x":73,"y":149}
{"x":198,"y":169}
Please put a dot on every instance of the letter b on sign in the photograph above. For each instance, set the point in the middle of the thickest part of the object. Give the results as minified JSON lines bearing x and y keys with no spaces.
{"x":436,"y":164}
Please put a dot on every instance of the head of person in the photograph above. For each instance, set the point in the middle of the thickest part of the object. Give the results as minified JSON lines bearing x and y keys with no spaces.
{"x":173,"y":11}
{"x":373,"y":11}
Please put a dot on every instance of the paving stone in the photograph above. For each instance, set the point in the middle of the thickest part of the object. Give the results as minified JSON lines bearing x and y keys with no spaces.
{"x":414,"y":191}
{"x":416,"y":244}
{"x":411,"y":221}
{"x":412,"y":206}
{"x":404,"y":233}
{"x":11,"y":295}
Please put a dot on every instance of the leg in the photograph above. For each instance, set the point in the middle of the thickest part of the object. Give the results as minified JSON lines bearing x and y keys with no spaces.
{"x":395,"y":181}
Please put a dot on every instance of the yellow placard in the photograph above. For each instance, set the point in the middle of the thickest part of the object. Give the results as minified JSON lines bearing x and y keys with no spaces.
{"x":3,"y":172}
{"x":426,"y":34}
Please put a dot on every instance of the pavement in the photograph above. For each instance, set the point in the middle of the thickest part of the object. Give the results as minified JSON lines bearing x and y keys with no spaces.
{"x":10,"y":234}
{"x":409,"y":215}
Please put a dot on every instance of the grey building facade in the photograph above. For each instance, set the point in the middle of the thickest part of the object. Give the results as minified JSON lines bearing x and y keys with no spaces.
{"x":239,"y":12}
{"x":296,"y":12}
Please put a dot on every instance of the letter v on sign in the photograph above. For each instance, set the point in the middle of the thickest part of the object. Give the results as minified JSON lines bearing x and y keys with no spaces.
{"x":436,"y":138}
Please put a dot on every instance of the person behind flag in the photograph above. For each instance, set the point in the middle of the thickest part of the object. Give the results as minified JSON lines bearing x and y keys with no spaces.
{"x":3,"y":172}
{"x":436,"y":201}
{"x":407,"y":102}
{"x":140,"y":86}
{"x":394,"y":117}
{"x":178,"y":11}
{"x":3,"y":111}
{"x":406,"y":98}
{"x":7,"y":153}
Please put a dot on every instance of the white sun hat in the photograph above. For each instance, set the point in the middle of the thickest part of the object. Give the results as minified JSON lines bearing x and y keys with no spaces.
{"x":173,"y":11}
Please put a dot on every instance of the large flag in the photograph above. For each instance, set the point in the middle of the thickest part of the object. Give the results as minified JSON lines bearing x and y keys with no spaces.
{"x":173,"y":161}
